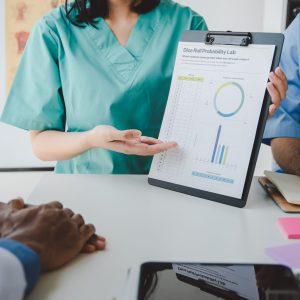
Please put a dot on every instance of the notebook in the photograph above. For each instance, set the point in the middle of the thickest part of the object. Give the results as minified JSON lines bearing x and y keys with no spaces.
{"x":287,"y":185}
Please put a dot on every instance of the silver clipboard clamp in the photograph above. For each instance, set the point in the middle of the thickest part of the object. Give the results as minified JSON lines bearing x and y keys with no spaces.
{"x":242,"y":39}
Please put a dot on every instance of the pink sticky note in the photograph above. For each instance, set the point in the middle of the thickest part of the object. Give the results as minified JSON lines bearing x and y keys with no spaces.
{"x":290,"y":226}
{"x":287,"y":255}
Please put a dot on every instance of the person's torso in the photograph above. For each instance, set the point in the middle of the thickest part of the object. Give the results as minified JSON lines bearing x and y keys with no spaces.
{"x":104,"y":83}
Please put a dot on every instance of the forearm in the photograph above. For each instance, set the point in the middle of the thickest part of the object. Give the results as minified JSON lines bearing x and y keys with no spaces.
{"x":55,"y":145}
{"x":286,"y":152}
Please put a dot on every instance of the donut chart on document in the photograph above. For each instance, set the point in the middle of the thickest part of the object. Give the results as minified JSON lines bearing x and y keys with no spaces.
{"x":223,"y":94}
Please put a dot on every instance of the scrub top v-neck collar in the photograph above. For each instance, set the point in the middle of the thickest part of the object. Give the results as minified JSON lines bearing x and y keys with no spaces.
{"x":124,"y":61}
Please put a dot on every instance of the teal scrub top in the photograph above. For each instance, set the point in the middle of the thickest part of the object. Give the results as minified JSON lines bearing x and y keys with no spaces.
{"x":72,"y":79}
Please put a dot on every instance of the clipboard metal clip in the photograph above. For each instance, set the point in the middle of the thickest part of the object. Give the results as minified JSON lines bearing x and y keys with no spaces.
{"x":242,"y":39}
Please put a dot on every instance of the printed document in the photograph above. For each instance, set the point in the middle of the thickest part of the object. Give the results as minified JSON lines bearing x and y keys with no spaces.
{"x":213,"y":110}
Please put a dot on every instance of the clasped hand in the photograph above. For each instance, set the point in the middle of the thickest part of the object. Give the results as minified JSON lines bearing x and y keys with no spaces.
{"x":55,"y":233}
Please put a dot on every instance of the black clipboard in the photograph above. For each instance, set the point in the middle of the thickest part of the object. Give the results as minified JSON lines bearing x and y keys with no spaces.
{"x":241,"y":39}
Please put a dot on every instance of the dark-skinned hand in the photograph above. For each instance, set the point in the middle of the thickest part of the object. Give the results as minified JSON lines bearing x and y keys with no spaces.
{"x":55,"y":233}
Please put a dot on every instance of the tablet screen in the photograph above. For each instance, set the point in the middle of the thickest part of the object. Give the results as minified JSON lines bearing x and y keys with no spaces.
{"x":213,"y":111}
{"x":163,"y":281}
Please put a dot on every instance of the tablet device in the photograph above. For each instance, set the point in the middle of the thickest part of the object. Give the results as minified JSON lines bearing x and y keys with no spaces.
{"x":177,"y":281}
{"x":216,"y":111}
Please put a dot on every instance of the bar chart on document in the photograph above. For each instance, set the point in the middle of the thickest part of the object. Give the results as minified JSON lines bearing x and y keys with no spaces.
{"x":212,"y":113}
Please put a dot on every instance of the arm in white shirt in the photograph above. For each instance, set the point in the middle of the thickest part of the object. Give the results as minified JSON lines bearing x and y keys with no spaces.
{"x":19,"y":269}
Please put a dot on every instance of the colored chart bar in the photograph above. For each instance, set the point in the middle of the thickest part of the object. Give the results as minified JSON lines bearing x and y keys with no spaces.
{"x":222,"y":154}
{"x":218,"y":154}
{"x":226,"y":155}
{"x":216,"y":144}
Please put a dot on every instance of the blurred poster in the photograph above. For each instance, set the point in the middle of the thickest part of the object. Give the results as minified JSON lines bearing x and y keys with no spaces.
{"x":20,"y":17}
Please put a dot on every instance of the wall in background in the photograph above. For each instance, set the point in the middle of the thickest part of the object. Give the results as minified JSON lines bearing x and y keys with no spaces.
{"x":240,"y":15}
{"x":275,"y":15}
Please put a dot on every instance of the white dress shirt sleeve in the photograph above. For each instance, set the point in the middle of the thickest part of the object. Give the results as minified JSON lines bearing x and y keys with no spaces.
{"x":12,"y":276}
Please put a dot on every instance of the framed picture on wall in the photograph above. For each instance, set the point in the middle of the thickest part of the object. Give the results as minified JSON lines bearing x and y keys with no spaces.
{"x":20,"y":16}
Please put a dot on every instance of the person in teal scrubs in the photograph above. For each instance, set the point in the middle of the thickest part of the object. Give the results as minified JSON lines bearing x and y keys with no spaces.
{"x":94,"y":80}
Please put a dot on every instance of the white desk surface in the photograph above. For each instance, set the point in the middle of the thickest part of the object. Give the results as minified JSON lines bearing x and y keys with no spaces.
{"x":18,"y":184}
{"x":145,"y":223}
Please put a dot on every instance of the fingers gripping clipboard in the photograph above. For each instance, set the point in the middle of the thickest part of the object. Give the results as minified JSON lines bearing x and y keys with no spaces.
{"x":216,"y":112}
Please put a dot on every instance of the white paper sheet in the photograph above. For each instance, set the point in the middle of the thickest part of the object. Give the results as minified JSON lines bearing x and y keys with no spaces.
{"x":213,"y":111}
